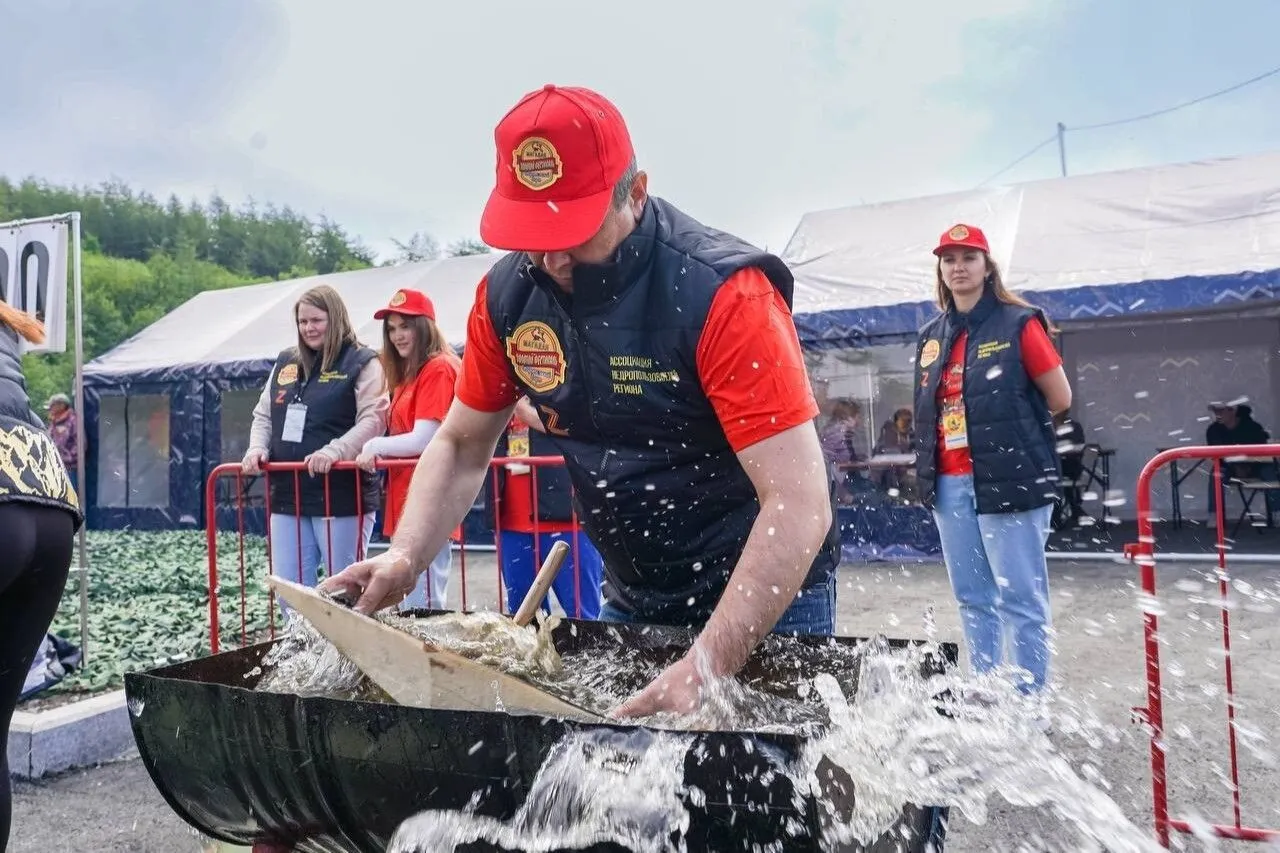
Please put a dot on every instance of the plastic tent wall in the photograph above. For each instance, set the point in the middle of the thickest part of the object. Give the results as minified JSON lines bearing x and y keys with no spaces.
{"x":1175,"y":238}
{"x":154,"y":404}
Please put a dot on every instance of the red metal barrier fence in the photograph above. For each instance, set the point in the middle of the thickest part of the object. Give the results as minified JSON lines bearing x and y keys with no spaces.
{"x":298,"y":469}
{"x":1143,"y":552}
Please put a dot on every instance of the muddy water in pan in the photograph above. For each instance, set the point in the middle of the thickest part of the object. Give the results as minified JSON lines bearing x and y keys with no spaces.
{"x":943,"y":740}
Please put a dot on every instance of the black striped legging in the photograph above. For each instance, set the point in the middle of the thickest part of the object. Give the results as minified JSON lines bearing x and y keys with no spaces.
{"x":36,"y":544}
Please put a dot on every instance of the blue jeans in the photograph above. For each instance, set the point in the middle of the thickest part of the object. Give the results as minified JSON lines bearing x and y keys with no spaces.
{"x":812,"y":611}
{"x":579,"y":596}
{"x":430,"y":591}
{"x":301,"y":565}
{"x":999,"y":576}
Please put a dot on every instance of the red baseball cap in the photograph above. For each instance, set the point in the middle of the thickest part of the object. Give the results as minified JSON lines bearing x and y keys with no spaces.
{"x":560,"y":152}
{"x":969,"y":236}
{"x":411,"y":303}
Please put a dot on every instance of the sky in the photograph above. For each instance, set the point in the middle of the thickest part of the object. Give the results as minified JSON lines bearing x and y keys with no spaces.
{"x":746,"y":114}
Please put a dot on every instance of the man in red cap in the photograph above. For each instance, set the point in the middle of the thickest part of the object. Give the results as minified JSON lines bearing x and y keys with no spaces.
{"x":663,"y":361}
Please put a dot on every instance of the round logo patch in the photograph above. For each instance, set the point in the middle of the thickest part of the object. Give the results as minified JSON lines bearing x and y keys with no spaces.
{"x":287,"y":375}
{"x":537,"y":163}
{"x":929,"y":354}
{"x":959,"y":233}
{"x":398,"y":299}
{"x":536,"y":355}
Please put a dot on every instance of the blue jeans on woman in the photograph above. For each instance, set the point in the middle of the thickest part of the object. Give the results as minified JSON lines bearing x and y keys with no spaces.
{"x":1000,"y":578}
{"x":299,"y":545}
{"x":813,"y":611}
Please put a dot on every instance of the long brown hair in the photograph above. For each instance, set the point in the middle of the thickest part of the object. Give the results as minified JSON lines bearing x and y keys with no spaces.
{"x":428,"y":343}
{"x":338,"y":332}
{"x":21,"y":322}
{"x":994,"y":281}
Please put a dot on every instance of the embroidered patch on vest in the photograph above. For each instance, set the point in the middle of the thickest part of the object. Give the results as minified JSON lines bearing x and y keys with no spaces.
{"x":537,"y":163}
{"x":536,"y":355}
{"x":287,"y":375}
{"x":929,"y":354}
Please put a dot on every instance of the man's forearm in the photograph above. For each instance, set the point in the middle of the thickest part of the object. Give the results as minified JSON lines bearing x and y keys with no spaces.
{"x":444,"y":485}
{"x":779,"y":552}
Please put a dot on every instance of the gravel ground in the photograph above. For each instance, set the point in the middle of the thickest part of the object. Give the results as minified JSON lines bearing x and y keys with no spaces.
{"x":1099,"y":661}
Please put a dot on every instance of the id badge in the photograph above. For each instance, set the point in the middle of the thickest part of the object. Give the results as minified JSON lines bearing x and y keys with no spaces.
{"x":955,"y":432}
{"x":295,"y":421}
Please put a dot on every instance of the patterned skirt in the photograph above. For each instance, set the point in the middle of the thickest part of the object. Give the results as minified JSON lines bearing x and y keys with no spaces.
{"x":31,"y":471}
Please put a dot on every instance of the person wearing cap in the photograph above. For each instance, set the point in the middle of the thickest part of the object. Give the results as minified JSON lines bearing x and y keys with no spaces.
{"x":64,"y":430}
{"x":663,"y":361}
{"x":1233,"y":424}
{"x":421,"y":370}
{"x":988,"y":383}
{"x":324,"y":398}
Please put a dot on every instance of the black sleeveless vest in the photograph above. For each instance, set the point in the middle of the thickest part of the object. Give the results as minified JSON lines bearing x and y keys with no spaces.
{"x":662,"y":494}
{"x":1011,"y":433}
{"x":330,"y":398}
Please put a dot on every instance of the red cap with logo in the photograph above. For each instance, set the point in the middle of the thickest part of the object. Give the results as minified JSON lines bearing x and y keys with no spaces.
{"x":560,"y":152}
{"x":968,"y":236}
{"x":410,"y":303}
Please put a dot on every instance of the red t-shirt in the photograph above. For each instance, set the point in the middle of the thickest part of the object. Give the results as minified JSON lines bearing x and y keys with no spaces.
{"x":516,"y":513}
{"x":1038,"y":358}
{"x":426,"y":397}
{"x":749,"y":362}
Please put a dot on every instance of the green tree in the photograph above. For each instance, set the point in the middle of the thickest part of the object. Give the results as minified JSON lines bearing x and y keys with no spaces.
{"x":466,"y":246}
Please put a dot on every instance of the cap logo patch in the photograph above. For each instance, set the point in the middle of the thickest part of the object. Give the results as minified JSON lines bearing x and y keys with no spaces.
{"x":399,"y":299}
{"x":537,"y":164}
{"x":959,"y":233}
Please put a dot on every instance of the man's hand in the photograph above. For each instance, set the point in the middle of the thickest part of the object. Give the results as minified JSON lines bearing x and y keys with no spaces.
{"x":677,"y":689}
{"x":379,"y":582}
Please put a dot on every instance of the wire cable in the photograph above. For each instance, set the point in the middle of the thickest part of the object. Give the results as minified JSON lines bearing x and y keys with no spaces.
{"x":1184,"y":105}
{"x":1019,"y":160}
{"x":1200,"y":100}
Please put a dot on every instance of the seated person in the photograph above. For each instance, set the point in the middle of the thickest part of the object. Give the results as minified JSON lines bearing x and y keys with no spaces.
{"x":839,"y":439}
{"x":897,"y":437}
{"x":1071,"y":456}
{"x":1233,"y":424}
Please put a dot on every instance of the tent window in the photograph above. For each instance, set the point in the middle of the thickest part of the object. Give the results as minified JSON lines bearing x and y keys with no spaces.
{"x":875,"y":382}
{"x":236,"y":422}
{"x":133,"y":451}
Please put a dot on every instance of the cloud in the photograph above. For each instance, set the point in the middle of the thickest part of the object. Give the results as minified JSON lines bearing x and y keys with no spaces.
{"x":747,"y":114}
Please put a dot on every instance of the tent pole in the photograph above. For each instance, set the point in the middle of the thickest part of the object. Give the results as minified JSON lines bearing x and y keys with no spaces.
{"x":80,"y":442}
{"x":1062,"y":147}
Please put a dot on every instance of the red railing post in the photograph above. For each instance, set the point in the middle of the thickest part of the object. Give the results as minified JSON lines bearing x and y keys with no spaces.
{"x":1142,"y":552}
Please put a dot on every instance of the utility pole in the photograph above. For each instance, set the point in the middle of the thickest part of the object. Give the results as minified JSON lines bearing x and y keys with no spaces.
{"x":1062,"y":147}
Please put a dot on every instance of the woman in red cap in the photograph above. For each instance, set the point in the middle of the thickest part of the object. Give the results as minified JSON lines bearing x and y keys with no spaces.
{"x":988,"y":382}
{"x":421,"y":371}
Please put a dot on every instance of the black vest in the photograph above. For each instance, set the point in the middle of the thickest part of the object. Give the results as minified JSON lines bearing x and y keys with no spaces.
{"x":662,"y":495}
{"x":330,"y":398}
{"x":1011,"y":433}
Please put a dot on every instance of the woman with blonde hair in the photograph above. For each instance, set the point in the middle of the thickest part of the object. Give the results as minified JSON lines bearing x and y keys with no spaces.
{"x":421,"y":371}
{"x":323,"y":400}
{"x":988,"y":382}
{"x":39,"y":516}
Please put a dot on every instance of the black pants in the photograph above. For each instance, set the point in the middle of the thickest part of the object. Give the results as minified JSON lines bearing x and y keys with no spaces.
{"x":35,"y":556}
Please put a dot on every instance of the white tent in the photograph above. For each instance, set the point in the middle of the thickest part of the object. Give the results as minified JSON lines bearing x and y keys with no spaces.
{"x":219,"y":328}
{"x":1206,"y":232}
{"x":167,"y":406}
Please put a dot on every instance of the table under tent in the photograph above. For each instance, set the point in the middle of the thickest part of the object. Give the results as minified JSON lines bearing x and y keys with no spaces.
{"x":1164,"y":282}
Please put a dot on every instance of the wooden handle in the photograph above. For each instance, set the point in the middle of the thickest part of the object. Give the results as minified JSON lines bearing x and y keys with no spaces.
{"x":542,"y":583}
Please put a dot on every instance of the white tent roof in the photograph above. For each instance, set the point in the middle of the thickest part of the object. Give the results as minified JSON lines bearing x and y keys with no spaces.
{"x":1202,"y":218}
{"x":256,"y":321}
